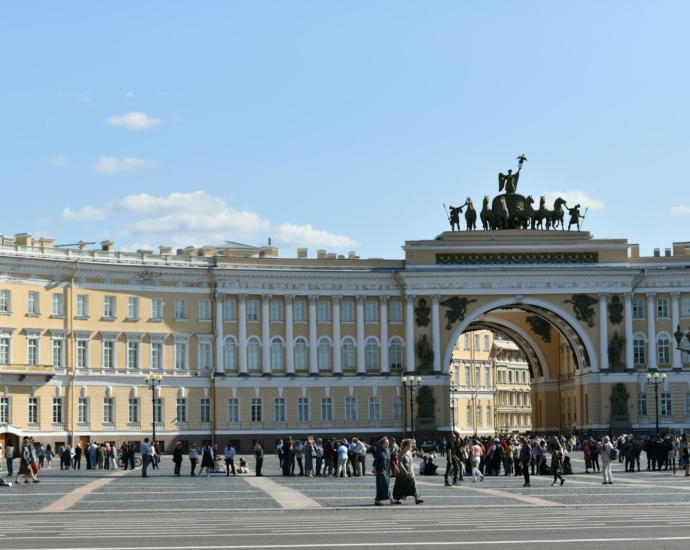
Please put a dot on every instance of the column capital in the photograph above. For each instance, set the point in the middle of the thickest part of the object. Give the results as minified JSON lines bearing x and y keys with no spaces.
{"x":313,"y":298}
{"x":265,"y":298}
{"x":336,"y":298}
{"x":289,"y":298}
{"x":603,"y":296}
{"x":410,"y":298}
{"x":435,"y":298}
{"x":628,"y":296}
{"x":242,"y":297}
{"x":360,"y":298}
{"x":675,"y":295}
{"x":218,"y":296}
{"x":651,"y":295}
{"x":384,"y":299}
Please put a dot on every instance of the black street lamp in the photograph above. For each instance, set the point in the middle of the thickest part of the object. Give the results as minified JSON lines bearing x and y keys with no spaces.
{"x":152,"y":381}
{"x":655,"y":380}
{"x":411,"y":382}
{"x":452,"y":407}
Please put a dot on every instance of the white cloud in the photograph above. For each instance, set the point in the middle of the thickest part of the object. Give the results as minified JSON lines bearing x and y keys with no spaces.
{"x":60,"y":161}
{"x":111,"y":165}
{"x":84,"y":213}
{"x":129,"y":95}
{"x":134,"y":121}
{"x":306,"y":235}
{"x":83,"y":97}
{"x":575,"y":197}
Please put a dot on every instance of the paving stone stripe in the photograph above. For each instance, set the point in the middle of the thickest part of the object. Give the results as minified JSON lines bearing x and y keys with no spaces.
{"x":70,"y":499}
{"x":286,"y":497}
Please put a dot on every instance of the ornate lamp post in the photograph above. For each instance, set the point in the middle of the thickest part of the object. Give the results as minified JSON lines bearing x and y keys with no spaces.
{"x":655,"y":380}
{"x":410,"y":383}
{"x":152,"y":381}
{"x":452,"y":406}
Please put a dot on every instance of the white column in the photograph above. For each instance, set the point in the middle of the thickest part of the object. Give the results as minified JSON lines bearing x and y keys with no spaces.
{"x":676,"y":360}
{"x":220,"y":363}
{"x":651,"y":330}
{"x":313,"y":345}
{"x":603,"y":332}
{"x":409,"y":332}
{"x":289,"y":336}
{"x":242,"y":299}
{"x":337,"y":354}
{"x":385,"y":363}
{"x":265,"y":334}
{"x":361,"y":367}
{"x":629,"y":352}
{"x":436,"y":331}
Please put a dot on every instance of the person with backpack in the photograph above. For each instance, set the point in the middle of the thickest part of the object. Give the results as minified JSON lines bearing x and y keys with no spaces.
{"x":594,"y":451}
{"x":635,"y":452}
{"x":556,"y":461}
{"x":608,"y":455}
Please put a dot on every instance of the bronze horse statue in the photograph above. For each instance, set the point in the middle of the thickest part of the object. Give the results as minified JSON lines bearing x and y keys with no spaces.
{"x":540,"y":215}
{"x":556,"y":215}
{"x":487,"y":215}
{"x":470,"y":215}
{"x":501,"y":215}
{"x":523,"y":218}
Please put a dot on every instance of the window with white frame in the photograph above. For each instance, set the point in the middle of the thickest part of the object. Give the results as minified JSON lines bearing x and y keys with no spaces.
{"x":205,"y":409}
{"x":233,"y":409}
{"x":277,"y":354}
{"x":469,"y":416}
{"x":57,"y":410}
{"x":108,"y":410}
{"x":347,"y":312}
{"x":348,"y":353}
{"x":205,"y":354}
{"x":229,"y":311}
{"x":252,"y":310}
{"x":478,"y":376}
{"x":479,"y":416}
{"x":58,"y":355}
{"x":396,"y":353}
{"x":397,"y":408}
{"x":639,"y":356}
{"x":253,"y":354}
{"x":326,"y":409}
{"x":108,"y":354}
{"x":395,"y":312}
{"x":158,"y":410}
{"x":181,"y":406}
{"x":323,"y":312}
{"x":279,"y":410}
{"x":276,"y":311}
{"x":83,"y":410}
{"x":351,"y":409}
{"x":303,"y":413}
{"x":5,"y":351}
{"x":487,"y":376}
{"x":133,"y":355}
{"x":324,"y":354}
{"x":180,"y":309}
{"x":489,"y":417}
{"x":371,"y":354}
{"x":5,"y":416}
{"x":157,"y":353}
{"x":5,"y":301}
{"x":82,"y":354}
{"x":299,"y":311}
{"x":230,"y":354}
{"x":476,"y":342}
{"x":34,"y":303}
{"x":468,"y":375}
{"x":662,"y":307}
{"x":642,"y":404}
{"x":58,"y":304}
{"x":33,"y":410}
{"x":665,"y":408}
{"x":637,"y":308}
{"x":300,"y":354}
{"x":663,"y":350}
{"x":133,"y":410}
{"x":132,"y":308}
{"x":685,"y":306}
{"x":82,"y":305}
{"x":467,"y":342}
{"x":181,"y":359}
{"x":109,"y":307}
{"x":257,"y":410}
{"x":156,"y":308}
{"x":371,"y":312}
{"x":374,"y":408}
{"x":486,"y":342}
{"x":204,"y":310}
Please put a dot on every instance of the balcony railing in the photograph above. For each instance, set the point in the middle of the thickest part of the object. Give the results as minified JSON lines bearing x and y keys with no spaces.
{"x":302,"y":372}
{"x":134,"y":426}
{"x":686,"y":366}
{"x":397,"y":423}
{"x":206,"y":426}
{"x":257,"y":425}
{"x":234,"y":425}
{"x":665,"y":366}
{"x":181,"y":372}
{"x":349,"y":372}
{"x":304,"y":425}
{"x":34,"y":427}
{"x":374,"y":423}
{"x":160,"y":426}
{"x":665,"y":419}
{"x":644,"y":419}
{"x":83,"y":427}
{"x":58,"y":426}
{"x":327,"y":425}
{"x":109,"y":372}
{"x":182,"y":426}
{"x":351,"y":424}
{"x":280,"y":425}
{"x":108,"y":426}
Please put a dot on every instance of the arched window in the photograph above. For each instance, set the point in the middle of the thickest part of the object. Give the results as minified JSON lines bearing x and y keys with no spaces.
{"x":396,"y":354}
{"x":348,"y":353}
{"x":639,"y":350}
{"x":230,"y":354}
{"x":324,"y":355}
{"x":253,"y":354}
{"x":276,"y":354}
{"x":371,"y":357}
{"x":663,"y":349}
{"x":469,"y":416}
{"x":300,"y":354}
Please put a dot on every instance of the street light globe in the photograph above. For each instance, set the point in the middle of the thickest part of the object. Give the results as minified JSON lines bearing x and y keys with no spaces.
{"x":419,"y":380}
{"x":146,"y":378}
{"x":663,"y":377}
{"x":656,"y":375}
{"x":403,"y":379}
{"x":649,"y":377}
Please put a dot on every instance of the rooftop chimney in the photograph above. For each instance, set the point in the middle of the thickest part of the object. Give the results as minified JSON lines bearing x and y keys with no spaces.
{"x":46,"y":243}
{"x":83,"y":245}
{"x":23,"y":239}
{"x":107,"y":246}
{"x":320,"y":254}
{"x":165,"y":250}
{"x":657,"y":253}
{"x":302,"y":253}
{"x":667,"y":252}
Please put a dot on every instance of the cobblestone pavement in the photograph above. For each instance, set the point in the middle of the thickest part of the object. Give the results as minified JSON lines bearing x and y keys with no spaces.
{"x":86,"y":491}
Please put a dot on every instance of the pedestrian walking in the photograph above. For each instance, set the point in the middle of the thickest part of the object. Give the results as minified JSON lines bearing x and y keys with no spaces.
{"x":557,"y":461}
{"x":9,"y":457}
{"x":177,"y":458}
{"x":145,"y":449}
{"x":606,"y":459}
{"x":451,"y":462}
{"x":259,"y":456}
{"x":193,"y":457}
{"x":207,"y":459}
{"x":525,"y":459}
{"x":405,"y":482}
{"x":476,"y":453}
{"x":382,"y":471}
{"x":49,"y":455}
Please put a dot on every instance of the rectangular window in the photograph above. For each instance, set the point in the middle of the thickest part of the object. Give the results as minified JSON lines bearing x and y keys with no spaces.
{"x":662,"y":307}
{"x":685,"y":306}
{"x":467,"y":342}
{"x":205,"y":362}
{"x":158,"y":410}
{"x":33,"y":303}
{"x":108,"y":410}
{"x":229,"y":310}
{"x":5,"y":410}
{"x":476,"y":342}
{"x":58,"y":304}
{"x":57,"y":410}
{"x":351,"y":409}
{"x":133,"y":355}
{"x":4,"y":351}
{"x":374,"y":408}
{"x":303,"y":414}
{"x":479,"y":416}
{"x":276,"y":311}
{"x":233,"y":409}
{"x":395,"y":312}
{"x":58,"y":353}
{"x":156,"y":308}
{"x":83,"y":410}
{"x":257,"y":413}
{"x":133,"y":308}
{"x":370,"y":312}
{"x":489,"y":417}
{"x":642,"y":404}
{"x":478,"y":376}
{"x":279,"y":410}
{"x":665,"y":408}
{"x":468,"y":376}
{"x":157,"y":355}
{"x":204,"y":310}
{"x":181,"y":308}
{"x":323,"y":312}
{"x":397,"y":408}
{"x":205,"y":405}
{"x":181,"y":355}
{"x":487,"y":376}
{"x":82,"y":354}
{"x":639,"y":351}
{"x":486,"y":342}
{"x":82,"y":306}
{"x":664,"y":351}
{"x":252,"y":310}
{"x":5,"y":301}
{"x":133,"y":411}
{"x":469,"y":416}
{"x":326,"y":409}
{"x":181,"y":409}
{"x":33,"y":410}
{"x":108,"y":354}
{"x":299,"y":312}
{"x":109,"y":307}
{"x":637,"y":308}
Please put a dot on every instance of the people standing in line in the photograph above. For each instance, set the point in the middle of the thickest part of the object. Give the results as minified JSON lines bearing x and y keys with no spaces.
{"x":606,"y":451}
{"x":206,"y":459}
{"x":145,"y":450}
{"x":259,"y":456}
{"x":177,"y":458}
{"x":405,"y":483}
{"x":9,"y":458}
{"x":476,"y":452}
{"x":382,"y":471}
{"x":318,"y":447}
{"x":556,"y":461}
{"x":525,"y":459}
{"x":230,"y":460}
{"x":193,"y":457}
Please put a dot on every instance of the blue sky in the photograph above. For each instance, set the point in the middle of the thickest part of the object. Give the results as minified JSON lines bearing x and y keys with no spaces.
{"x":337,"y":125}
